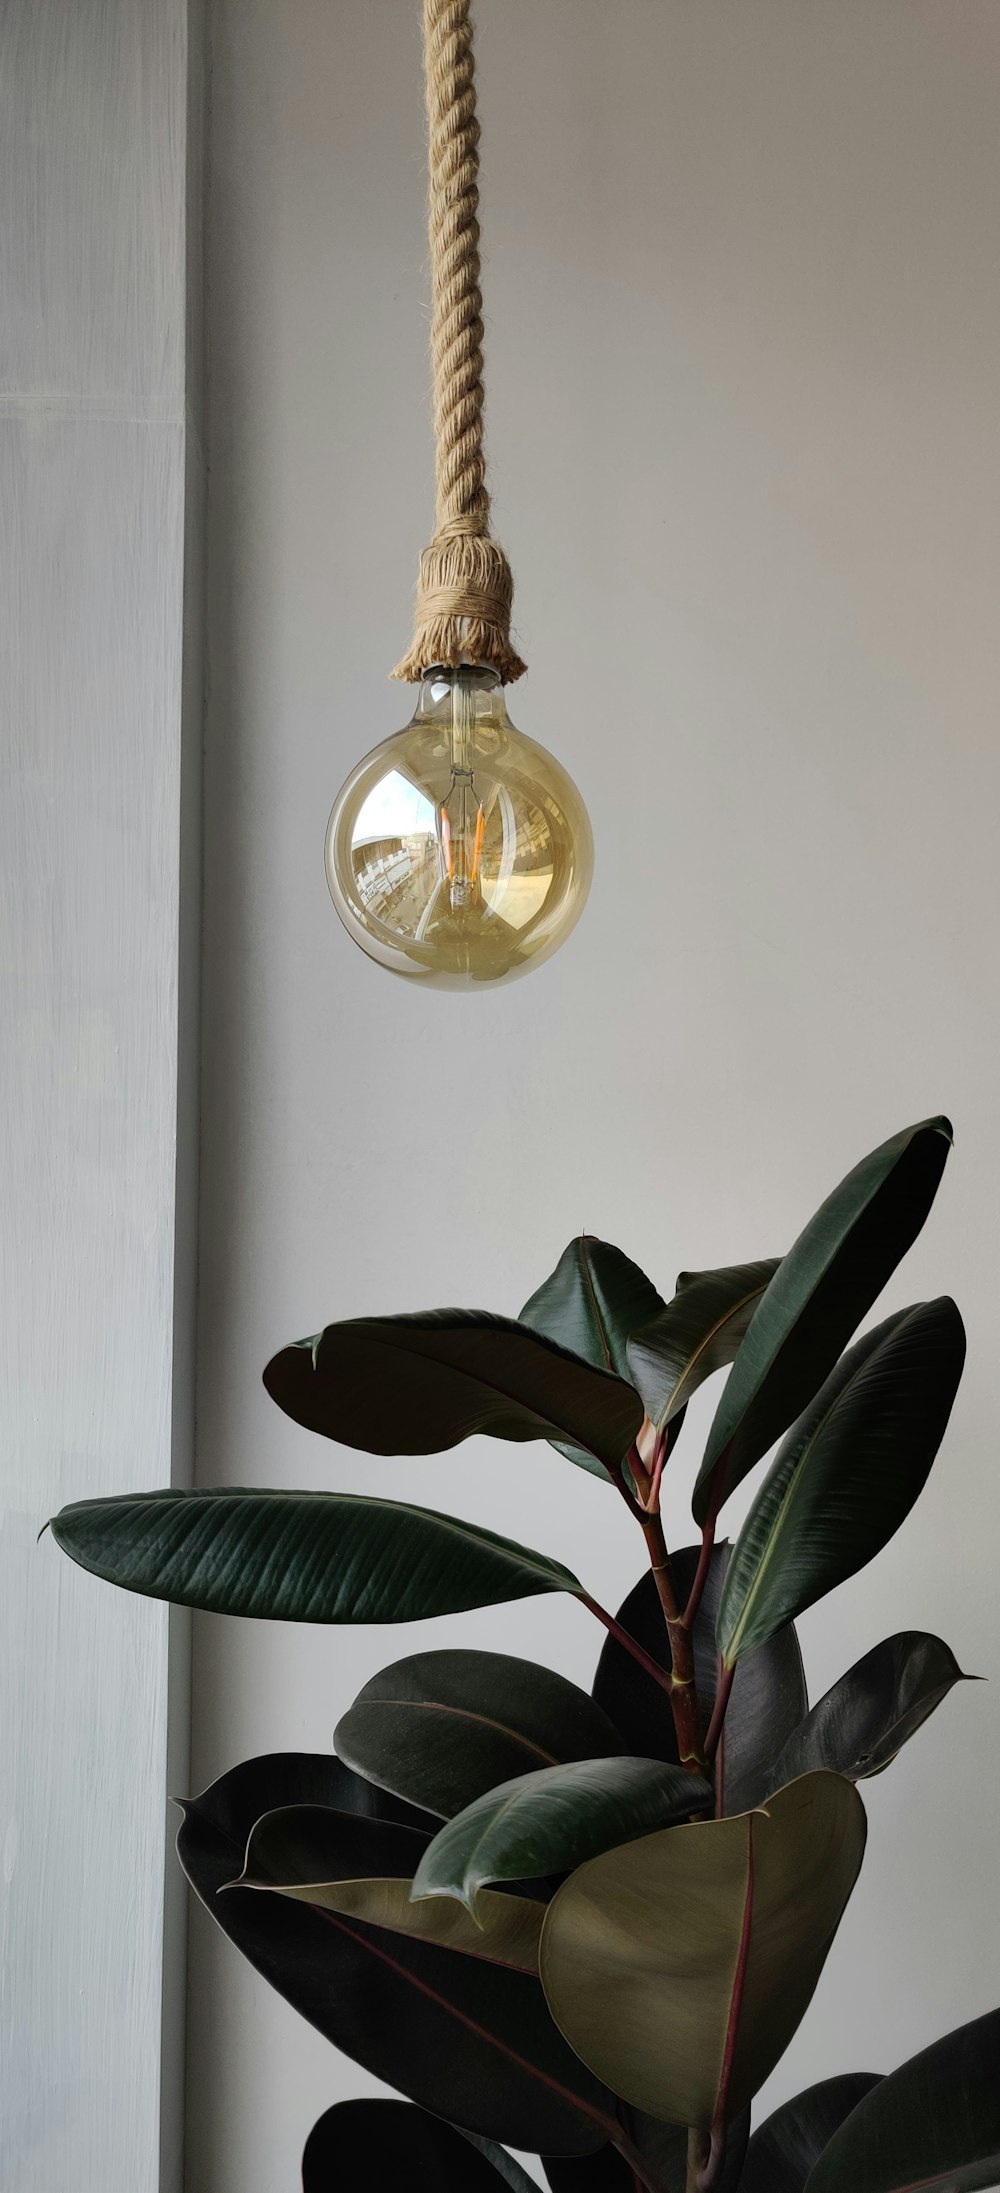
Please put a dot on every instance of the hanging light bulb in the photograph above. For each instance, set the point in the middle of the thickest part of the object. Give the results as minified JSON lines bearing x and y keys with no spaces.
{"x":459,"y":851}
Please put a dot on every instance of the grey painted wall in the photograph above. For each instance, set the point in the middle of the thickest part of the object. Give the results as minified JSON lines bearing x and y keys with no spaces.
{"x":100,"y":143}
{"x":744,"y":339}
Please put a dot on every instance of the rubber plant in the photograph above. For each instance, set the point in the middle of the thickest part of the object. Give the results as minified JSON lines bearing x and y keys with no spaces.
{"x":587,"y":1926}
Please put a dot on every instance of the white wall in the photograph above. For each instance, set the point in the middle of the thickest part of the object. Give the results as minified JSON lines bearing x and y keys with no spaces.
{"x":744,"y":337}
{"x":100,"y":143}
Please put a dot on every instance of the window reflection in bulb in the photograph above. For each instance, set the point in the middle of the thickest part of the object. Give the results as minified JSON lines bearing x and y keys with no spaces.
{"x":459,"y":851}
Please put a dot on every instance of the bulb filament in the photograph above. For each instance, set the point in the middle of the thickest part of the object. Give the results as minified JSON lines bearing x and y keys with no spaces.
{"x":462,"y":838}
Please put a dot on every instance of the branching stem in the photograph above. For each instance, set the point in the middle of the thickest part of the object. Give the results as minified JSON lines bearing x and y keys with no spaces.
{"x":628,"y":1644}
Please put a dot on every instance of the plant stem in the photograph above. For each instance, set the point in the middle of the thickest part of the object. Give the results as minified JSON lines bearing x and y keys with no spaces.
{"x":722,"y":1696}
{"x":636,"y":2163}
{"x":704,"y":1565}
{"x":617,"y":1477}
{"x":705,"y":2157}
{"x":628,"y":1644}
{"x":684,"y":1695}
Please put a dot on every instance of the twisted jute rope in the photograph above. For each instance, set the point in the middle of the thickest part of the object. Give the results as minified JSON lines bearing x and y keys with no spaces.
{"x":465,"y":587}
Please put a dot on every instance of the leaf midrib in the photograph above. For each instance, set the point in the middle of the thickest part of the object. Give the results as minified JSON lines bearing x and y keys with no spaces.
{"x":462,"y":1713}
{"x":517,"y":1556}
{"x":787,"y":1500}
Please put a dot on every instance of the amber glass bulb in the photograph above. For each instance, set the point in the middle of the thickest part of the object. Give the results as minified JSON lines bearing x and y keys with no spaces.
{"x":459,"y":851}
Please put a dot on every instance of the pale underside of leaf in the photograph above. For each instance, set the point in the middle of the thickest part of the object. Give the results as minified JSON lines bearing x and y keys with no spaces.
{"x":505,"y":1931}
{"x":680,"y":1965}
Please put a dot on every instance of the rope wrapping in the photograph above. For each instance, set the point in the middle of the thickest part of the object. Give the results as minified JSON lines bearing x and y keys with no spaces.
{"x":465,"y":588}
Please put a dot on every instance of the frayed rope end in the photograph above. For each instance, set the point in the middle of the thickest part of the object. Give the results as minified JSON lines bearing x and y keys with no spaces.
{"x":462,"y":614}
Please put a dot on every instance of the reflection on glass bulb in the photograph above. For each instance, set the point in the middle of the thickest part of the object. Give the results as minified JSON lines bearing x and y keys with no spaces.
{"x":459,"y":851}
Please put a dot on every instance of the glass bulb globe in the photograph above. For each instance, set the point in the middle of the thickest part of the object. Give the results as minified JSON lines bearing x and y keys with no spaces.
{"x":459,"y":851}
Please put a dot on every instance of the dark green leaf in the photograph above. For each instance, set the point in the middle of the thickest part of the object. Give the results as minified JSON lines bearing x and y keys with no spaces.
{"x":417,"y":1385}
{"x":680,"y":1965}
{"x":695,"y":1334}
{"x":822,"y":1289}
{"x":463,"y":2038}
{"x":847,"y":1474}
{"x":301,"y":1556}
{"x":442,"y":1727}
{"x":934,"y":2124}
{"x":593,"y":1302}
{"x":663,"y":2147}
{"x":360,"y":2145}
{"x":868,"y":1716}
{"x":299,"y":1851}
{"x":550,"y":1821}
{"x":769,"y":1695}
{"x":782,"y":2153}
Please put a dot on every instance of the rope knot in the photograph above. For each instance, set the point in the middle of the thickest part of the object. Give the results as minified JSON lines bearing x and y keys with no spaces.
{"x":464,"y":596}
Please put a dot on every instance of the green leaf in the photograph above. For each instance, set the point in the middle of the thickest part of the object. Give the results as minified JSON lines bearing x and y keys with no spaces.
{"x":417,"y":1385}
{"x":357,"y":2145}
{"x":781,"y":2155}
{"x":295,"y":1851}
{"x":934,"y":2124}
{"x":552,"y":1820}
{"x":847,"y":1474}
{"x":679,"y":1966}
{"x":695,"y":1334}
{"x":440,"y":1728}
{"x":768,"y":1701}
{"x":593,"y":1301}
{"x":860,"y":1725}
{"x":300,"y":1556}
{"x":822,"y":1289}
{"x":469,"y":2041}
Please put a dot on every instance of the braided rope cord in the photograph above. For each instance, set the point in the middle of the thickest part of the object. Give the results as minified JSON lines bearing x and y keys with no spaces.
{"x":465,"y":588}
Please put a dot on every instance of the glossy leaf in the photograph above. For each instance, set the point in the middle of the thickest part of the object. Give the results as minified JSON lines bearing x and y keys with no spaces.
{"x":782,"y":2153}
{"x":860,"y":1725}
{"x":934,"y":2124}
{"x":698,"y":1332}
{"x":679,"y":1966}
{"x":592,"y":1303}
{"x":301,"y":1556}
{"x":441,"y":1727}
{"x":550,"y":1822}
{"x":769,"y":1697}
{"x":822,"y":1289}
{"x":358,"y":2145}
{"x":417,"y":1385}
{"x":847,"y":1474}
{"x":307,"y":1853}
{"x":465,"y":2039}
{"x":663,"y":2147}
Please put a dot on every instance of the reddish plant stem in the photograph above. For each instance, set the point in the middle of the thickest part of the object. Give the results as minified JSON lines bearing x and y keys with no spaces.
{"x":617,"y":1476}
{"x":684,"y":1696}
{"x":722,"y":1697}
{"x":636,"y":2163}
{"x":628,"y":1644}
{"x":704,"y":1564}
{"x":706,"y":2154}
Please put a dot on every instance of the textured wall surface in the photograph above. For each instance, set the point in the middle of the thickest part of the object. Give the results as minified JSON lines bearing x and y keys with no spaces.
{"x":97,"y":986}
{"x":744,"y":338}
